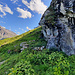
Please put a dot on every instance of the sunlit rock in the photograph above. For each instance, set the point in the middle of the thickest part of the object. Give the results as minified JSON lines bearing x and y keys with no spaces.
{"x":58,"y":25}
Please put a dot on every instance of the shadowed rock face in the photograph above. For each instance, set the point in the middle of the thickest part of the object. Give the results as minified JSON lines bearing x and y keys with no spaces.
{"x":58,"y":25}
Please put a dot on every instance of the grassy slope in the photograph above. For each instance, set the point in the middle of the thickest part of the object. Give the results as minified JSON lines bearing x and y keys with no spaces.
{"x":10,"y":40}
{"x":30,"y":62}
{"x":8,"y":44}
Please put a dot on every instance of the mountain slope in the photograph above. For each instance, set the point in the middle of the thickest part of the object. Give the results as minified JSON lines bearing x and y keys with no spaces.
{"x":4,"y":33}
{"x":31,"y":61}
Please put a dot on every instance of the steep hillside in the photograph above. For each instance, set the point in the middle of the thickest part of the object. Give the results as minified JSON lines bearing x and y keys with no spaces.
{"x":4,"y":33}
{"x":42,"y":51}
{"x":14,"y":60}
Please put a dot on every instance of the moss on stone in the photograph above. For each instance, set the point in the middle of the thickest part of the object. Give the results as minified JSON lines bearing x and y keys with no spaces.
{"x":49,"y":18}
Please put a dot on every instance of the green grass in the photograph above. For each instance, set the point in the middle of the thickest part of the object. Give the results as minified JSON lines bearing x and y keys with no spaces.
{"x":31,"y":62}
{"x":11,"y":42}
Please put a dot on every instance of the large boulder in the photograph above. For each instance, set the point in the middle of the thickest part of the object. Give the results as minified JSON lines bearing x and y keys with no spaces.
{"x":58,"y":25}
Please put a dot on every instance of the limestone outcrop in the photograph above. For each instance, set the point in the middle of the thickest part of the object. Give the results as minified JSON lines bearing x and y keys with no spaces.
{"x":58,"y":25}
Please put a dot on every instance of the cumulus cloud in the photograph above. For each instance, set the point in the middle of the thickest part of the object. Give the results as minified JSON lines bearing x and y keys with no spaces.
{"x":35,"y":5}
{"x":28,"y":28}
{"x":7,"y":9}
{"x":24,"y":13}
{"x":14,"y":1}
{"x":4,"y":9}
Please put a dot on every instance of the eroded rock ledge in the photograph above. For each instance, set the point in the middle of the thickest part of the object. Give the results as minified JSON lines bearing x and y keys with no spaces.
{"x":58,"y":25}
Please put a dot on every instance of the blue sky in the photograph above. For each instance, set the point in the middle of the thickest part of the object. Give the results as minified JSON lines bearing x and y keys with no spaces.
{"x":20,"y":16}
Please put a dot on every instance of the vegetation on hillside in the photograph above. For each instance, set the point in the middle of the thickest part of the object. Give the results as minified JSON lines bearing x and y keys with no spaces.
{"x":32,"y":62}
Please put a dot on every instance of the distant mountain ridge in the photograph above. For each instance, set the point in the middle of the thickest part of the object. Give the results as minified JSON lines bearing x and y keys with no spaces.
{"x":5,"y":33}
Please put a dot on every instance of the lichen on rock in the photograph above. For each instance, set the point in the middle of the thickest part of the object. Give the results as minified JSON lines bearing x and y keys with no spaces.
{"x":58,"y":25}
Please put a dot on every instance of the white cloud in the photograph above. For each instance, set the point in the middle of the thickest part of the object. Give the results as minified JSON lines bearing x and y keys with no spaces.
{"x":24,"y":13}
{"x":28,"y":28}
{"x":35,"y":5}
{"x":14,"y":1}
{"x":21,"y":29}
{"x":7,"y":9}
{"x":19,"y":5}
{"x":4,"y":9}
{"x":25,"y":31}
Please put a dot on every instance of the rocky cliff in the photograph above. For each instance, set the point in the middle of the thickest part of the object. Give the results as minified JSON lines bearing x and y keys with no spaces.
{"x":58,"y":25}
{"x":4,"y":33}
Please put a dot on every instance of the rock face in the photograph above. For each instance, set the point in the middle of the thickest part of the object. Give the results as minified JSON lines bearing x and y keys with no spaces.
{"x":58,"y":25}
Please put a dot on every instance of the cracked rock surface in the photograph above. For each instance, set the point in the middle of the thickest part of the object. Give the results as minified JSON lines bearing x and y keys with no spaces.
{"x":58,"y":25}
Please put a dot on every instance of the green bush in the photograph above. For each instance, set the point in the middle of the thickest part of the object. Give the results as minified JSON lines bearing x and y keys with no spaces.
{"x":45,"y":64}
{"x":22,"y":68}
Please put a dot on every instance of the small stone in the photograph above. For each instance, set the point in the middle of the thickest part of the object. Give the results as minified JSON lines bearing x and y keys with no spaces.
{"x":29,"y":41}
{"x":22,"y":43}
{"x":33,"y":40}
{"x":22,"y":49}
